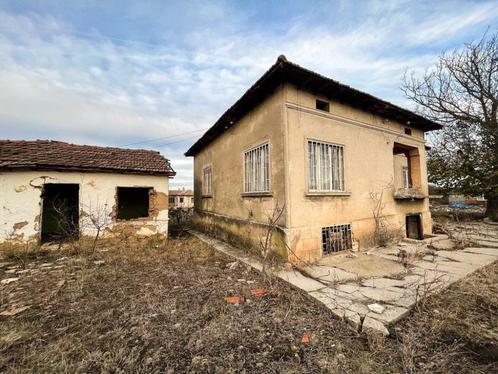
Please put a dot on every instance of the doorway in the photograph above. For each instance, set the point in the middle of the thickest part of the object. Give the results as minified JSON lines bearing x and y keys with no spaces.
{"x":60,"y":212}
{"x":414,"y":227}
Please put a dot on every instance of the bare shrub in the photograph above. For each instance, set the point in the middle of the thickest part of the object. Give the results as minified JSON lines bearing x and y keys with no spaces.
{"x":97,"y":218}
{"x":266,"y":243}
{"x":384,"y":234}
{"x":181,"y":219}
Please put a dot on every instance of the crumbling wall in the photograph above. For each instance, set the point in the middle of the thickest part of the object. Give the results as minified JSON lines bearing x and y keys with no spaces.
{"x":21,"y":206}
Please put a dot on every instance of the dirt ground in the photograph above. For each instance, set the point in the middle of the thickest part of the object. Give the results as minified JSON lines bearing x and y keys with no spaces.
{"x":160,"y":307}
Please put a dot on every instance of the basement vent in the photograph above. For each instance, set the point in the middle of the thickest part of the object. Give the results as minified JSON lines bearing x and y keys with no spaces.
{"x":336,"y":238}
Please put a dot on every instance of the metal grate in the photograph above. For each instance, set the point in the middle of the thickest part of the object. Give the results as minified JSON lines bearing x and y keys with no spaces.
{"x":256,"y":169}
{"x":325,"y":167}
{"x":336,"y":238}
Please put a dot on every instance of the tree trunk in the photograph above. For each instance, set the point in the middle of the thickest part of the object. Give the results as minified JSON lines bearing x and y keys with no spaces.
{"x":492,"y":207}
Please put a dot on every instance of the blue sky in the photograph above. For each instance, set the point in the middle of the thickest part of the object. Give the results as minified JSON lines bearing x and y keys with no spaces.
{"x":154,"y":74}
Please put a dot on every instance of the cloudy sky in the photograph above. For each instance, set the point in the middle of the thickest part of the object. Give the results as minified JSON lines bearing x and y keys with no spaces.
{"x":156,"y":74}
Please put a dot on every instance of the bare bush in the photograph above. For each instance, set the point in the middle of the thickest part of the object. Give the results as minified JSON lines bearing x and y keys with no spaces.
{"x":384,"y":234}
{"x":181,"y":219}
{"x":266,"y":243}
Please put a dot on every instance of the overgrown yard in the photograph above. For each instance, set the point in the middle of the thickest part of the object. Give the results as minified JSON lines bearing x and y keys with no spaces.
{"x":161,"y":307}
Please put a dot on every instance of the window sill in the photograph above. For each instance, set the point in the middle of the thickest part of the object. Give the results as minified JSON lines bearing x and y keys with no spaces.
{"x":257,"y":194}
{"x":332,"y":193}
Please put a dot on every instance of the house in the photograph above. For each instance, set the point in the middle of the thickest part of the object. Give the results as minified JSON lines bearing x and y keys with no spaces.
{"x":325,"y":152}
{"x":51,"y":190}
{"x":181,"y":198}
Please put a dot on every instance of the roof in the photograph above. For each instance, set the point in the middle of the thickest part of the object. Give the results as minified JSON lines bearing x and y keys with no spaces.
{"x":55,"y":155}
{"x":284,"y":71}
{"x":181,"y":192}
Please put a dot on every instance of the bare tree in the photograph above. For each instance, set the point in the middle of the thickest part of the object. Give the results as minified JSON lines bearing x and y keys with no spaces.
{"x":96,"y":217}
{"x":266,"y":243}
{"x":461,"y":92}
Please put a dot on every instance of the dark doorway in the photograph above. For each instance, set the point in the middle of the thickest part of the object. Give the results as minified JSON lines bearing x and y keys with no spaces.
{"x":60,"y":212}
{"x":414,"y":227}
{"x":133,"y":202}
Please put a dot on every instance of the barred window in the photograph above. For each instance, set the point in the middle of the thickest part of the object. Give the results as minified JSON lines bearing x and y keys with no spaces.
{"x":256,"y":169}
{"x":207,"y":181}
{"x":336,"y":238}
{"x":325,"y":167}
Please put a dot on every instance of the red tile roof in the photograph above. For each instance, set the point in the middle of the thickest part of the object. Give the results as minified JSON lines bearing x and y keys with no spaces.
{"x":181,"y":192}
{"x":55,"y":155}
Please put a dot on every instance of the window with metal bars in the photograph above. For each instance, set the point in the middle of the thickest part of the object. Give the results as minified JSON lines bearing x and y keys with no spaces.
{"x":256,"y":169}
{"x":207,"y":181}
{"x":325,"y":167}
{"x":336,"y":238}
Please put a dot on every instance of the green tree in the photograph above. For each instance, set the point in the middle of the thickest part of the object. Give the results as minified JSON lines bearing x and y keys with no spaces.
{"x":461,"y":93}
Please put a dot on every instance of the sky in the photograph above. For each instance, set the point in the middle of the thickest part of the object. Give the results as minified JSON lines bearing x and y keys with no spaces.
{"x":157,"y":74}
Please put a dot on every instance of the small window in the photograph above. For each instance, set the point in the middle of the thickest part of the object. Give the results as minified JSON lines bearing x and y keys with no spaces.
{"x":322,"y":105}
{"x":207,"y":181}
{"x":133,"y":202}
{"x":406,"y":177}
{"x":171,"y":200}
{"x":408,"y":131}
{"x":256,"y":170}
{"x":325,"y":167}
{"x":336,"y":238}
{"x":181,"y":199}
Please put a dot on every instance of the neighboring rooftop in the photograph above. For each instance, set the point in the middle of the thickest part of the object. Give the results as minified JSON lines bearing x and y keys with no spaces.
{"x":285,"y":71}
{"x":55,"y":155}
{"x":181,"y":192}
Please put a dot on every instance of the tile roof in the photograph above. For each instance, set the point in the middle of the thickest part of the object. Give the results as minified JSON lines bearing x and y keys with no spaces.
{"x":55,"y":155}
{"x":284,"y":71}
{"x":182,"y":192}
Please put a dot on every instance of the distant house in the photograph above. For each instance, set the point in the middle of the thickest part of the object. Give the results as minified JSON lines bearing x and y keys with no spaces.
{"x":50,"y":190}
{"x":181,"y":198}
{"x":321,"y":149}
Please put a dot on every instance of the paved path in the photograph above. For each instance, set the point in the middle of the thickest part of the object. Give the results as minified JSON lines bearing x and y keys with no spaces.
{"x":371,"y":300}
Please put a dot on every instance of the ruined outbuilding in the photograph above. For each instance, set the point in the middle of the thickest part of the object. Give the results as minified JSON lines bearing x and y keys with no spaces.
{"x":52,"y":191}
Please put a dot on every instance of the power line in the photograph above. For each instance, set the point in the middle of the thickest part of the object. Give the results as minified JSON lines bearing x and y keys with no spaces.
{"x":177,"y":141}
{"x":165,"y":137}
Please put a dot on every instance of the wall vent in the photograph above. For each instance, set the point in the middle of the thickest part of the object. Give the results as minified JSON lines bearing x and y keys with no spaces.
{"x":337,"y":238}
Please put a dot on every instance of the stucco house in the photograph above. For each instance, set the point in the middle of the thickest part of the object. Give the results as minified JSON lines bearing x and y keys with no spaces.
{"x":324,"y":151}
{"x":181,"y":198}
{"x":51,"y":190}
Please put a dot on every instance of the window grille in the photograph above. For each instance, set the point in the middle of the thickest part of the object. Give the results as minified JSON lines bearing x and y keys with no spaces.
{"x":325,"y":167}
{"x":336,"y":238}
{"x":406,"y":177}
{"x":207,"y":181}
{"x":256,"y":169}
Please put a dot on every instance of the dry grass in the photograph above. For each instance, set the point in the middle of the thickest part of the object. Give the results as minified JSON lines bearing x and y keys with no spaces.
{"x":159,"y":307}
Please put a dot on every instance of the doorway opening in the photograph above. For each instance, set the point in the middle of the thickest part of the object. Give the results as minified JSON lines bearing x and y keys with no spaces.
{"x":414,"y":227}
{"x":60,"y":212}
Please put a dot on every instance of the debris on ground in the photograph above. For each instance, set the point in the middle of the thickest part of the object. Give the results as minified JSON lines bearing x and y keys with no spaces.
{"x":305,"y":339}
{"x":259,"y":292}
{"x":9,"y":280}
{"x":235,"y":299}
{"x":376,"y":308}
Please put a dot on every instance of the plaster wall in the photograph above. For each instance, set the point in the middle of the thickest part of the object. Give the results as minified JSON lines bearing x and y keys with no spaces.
{"x":20,"y":201}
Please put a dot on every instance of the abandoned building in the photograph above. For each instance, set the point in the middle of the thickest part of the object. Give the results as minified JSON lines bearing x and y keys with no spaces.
{"x":181,"y":198}
{"x":51,"y":191}
{"x":333,"y":157}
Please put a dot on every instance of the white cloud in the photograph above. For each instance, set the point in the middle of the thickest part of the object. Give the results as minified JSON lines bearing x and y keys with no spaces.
{"x":62,"y":83}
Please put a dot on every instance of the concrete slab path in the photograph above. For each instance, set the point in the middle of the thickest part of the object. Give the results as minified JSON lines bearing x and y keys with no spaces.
{"x":376,"y":290}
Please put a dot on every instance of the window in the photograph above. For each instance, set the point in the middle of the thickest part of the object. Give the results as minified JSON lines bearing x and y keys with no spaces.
{"x":181,"y":199}
{"x":133,"y":202}
{"x":322,"y":105}
{"x":406,"y":177}
{"x":325,"y":167}
{"x":408,"y":131}
{"x":171,"y":200}
{"x":336,"y":238}
{"x":207,"y":181}
{"x":256,"y":169}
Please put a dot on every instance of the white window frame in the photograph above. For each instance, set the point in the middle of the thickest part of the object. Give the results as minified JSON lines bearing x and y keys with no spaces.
{"x":318,"y":179}
{"x":207,"y":181}
{"x":257,"y":179}
{"x":405,"y":172}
